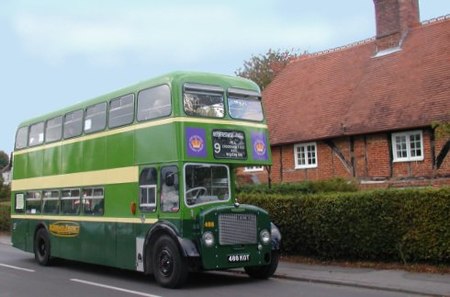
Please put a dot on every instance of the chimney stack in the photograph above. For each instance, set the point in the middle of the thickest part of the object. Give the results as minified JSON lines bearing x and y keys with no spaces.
{"x":394,"y":19}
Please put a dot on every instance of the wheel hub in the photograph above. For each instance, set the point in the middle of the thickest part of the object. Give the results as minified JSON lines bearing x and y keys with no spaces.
{"x":165,"y":263}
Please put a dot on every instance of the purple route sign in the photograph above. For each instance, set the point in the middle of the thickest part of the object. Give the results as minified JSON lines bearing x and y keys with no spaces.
{"x":196,"y":142}
{"x":259,"y":145}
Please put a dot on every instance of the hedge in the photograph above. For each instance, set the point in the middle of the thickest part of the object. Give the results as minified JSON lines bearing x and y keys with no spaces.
{"x":390,"y":225}
{"x":306,"y":187}
{"x":5,"y":217}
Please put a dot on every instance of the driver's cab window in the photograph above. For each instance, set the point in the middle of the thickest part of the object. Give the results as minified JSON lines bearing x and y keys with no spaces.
{"x":206,"y":183}
{"x":147,"y":189}
{"x":170,"y":201}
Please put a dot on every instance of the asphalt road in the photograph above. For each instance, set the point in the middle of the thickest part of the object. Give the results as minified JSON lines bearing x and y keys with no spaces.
{"x":20,"y":276}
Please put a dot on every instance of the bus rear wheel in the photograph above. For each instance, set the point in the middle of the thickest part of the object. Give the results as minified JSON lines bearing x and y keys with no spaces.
{"x":42,"y":247}
{"x":169,"y":266}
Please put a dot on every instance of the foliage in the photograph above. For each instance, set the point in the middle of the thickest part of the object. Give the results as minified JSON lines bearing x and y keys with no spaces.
{"x":4,"y":160}
{"x":442,"y":129}
{"x":307,"y":187}
{"x":5,"y":218}
{"x":389,"y":225}
{"x":5,"y":190}
{"x":262,"y":69}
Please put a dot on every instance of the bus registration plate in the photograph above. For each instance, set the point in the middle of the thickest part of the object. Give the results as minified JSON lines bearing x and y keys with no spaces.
{"x":239,"y":258}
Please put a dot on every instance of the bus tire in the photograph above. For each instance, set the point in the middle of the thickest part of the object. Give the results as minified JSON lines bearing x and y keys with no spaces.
{"x":42,"y":247}
{"x":169,"y":266}
{"x":265,"y":271}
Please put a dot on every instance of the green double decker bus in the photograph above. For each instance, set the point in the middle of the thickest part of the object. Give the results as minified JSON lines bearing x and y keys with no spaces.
{"x":143,"y":179}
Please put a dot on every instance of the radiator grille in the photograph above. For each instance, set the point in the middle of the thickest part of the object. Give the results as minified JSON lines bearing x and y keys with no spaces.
{"x":237,"y":229}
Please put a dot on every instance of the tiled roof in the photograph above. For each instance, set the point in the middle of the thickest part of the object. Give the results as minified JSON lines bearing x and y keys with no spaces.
{"x":349,"y":91}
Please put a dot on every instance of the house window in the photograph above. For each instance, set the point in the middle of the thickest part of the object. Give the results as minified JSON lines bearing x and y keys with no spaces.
{"x":407,"y":146}
{"x":305,"y":155}
{"x":253,"y":168}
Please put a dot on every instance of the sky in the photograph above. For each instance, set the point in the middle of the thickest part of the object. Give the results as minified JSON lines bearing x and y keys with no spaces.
{"x":55,"y":53}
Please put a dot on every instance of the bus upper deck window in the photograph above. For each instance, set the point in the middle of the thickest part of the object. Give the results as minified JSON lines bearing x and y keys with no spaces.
{"x":245,"y":105}
{"x":36,"y":136}
{"x":154,"y":103}
{"x":22,"y":138}
{"x":121,"y":111}
{"x":53,"y":129}
{"x":73,"y":125}
{"x":95,"y":118}
{"x":203,"y":100}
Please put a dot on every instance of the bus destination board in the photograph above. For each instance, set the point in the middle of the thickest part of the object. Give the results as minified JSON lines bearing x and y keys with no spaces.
{"x":229,"y":144}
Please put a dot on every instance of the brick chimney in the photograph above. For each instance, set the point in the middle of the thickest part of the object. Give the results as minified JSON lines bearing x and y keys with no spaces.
{"x":394,"y":19}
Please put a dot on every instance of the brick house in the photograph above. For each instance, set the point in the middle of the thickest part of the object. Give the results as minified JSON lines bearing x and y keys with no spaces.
{"x":365,"y":111}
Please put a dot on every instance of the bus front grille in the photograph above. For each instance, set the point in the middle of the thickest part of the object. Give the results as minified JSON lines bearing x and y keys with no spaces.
{"x":237,"y":229}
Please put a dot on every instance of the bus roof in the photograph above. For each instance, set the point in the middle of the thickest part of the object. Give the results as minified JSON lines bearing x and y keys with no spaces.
{"x":177,"y":77}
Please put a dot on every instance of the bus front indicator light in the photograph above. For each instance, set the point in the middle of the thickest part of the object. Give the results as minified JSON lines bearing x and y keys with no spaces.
{"x":208,"y":239}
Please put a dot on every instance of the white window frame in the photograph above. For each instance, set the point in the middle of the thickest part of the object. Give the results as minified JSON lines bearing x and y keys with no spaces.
{"x":305,"y":147}
{"x":407,"y":136}
{"x":253,"y":168}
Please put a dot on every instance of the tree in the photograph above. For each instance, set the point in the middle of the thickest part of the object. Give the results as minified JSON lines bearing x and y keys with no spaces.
{"x":4,"y":160}
{"x":442,"y":129}
{"x":262,"y":69}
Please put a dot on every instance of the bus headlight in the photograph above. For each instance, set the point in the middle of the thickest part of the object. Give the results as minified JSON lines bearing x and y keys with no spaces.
{"x":208,"y":239}
{"x":264,"y":235}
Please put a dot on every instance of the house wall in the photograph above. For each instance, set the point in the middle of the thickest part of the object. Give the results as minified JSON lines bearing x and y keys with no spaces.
{"x":367,"y":159}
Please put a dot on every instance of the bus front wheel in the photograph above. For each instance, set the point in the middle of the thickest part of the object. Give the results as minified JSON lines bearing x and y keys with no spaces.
{"x":265,"y":271}
{"x":42,"y":247}
{"x":169,"y":266}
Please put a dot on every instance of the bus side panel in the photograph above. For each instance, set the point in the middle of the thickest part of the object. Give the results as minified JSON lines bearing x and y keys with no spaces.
{"x":72,"y":155}
{"x":35,"y":163}
{"x":120,"y":149}
{"x":150,"y":141}
{"x":119,"y":199}
{"x":20,"y":166}
{"x":97,"y":243}
{"x":67,"y":247}
{"x":52,"y":161}
{"x":94,"y":154}
{"x":126,"y":246}
{"x":20,"y":235}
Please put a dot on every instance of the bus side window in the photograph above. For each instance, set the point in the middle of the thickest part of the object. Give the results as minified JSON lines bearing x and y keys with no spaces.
{"x":73,"y":124}
{"x":33,"y":202}
{"x":70,"y":201}
{"x":22,"y":138}
{"x":93,"y":201}
{"x":121,"y":111}
{"x":170,"y":197}
{"x":53,"y":129}
{"x":147,"y":189}
{"x":36,"y":135}
{"x":95,"y":118}
{"x":154,"y":103}
{"x":50,"y":203}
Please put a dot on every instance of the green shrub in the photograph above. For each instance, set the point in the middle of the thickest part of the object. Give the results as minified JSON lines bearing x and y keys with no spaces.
{"x":307,"y":187}
{"x":399,"y":225}
{"x":5,"y":218}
